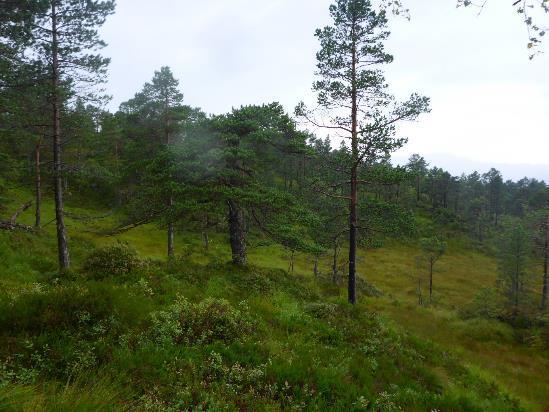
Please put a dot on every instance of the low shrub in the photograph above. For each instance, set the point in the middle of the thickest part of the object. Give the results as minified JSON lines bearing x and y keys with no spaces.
{"x":114,"y":260}
{"x":322,"y":310}
{"x":56,"y":308}
{"x":201,"y":323}
{"x":486,"y":304}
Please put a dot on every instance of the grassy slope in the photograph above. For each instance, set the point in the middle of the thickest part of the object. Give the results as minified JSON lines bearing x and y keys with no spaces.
{"x":486,"y":347}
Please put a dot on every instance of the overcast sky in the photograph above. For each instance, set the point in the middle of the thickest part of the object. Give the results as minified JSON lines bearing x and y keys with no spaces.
{"x":490,"y":104}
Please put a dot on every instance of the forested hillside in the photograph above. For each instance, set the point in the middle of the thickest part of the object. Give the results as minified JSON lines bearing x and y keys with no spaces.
{"x":163,"y":258}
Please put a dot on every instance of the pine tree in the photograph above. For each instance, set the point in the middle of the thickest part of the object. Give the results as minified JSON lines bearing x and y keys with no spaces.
{"x":433,"y":249}
{"x":238,"y":156}
{"x":64,"y":38}
{"x":352,"y":92}
{"x":514,"y":257}
{"x":158,"y":109}
{"x":494,"y":182}
{"x":418,"y":167}
{"x":539,"y":224}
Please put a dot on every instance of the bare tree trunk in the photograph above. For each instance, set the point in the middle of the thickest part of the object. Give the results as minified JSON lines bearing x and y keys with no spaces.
{"x":205,"y":238}
{"x":353,"y":218}
{"x":237,"y":233}
{"x":62,"y":242}
{"x":352,"y":238}
{"x":171,"y":231}
{"x":291,"y":267}
{"x":38,"y":186}
{"x":171,"y":249}
{"x":315,"y":267}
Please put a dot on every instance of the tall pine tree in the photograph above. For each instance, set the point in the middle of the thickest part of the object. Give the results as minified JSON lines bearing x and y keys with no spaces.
{"x":64,"y":39}
{"x":352,"y":94}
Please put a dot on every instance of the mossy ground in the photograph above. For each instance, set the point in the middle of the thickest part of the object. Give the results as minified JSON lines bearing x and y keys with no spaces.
{"x":75,"y":343}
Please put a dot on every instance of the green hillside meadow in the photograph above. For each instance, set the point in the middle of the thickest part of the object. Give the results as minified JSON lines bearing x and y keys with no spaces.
{"x":202,"y":334}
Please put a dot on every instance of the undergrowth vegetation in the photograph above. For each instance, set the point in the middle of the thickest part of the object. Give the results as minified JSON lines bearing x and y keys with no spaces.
{"x":129,"y":333}
{"x":125,"y":330}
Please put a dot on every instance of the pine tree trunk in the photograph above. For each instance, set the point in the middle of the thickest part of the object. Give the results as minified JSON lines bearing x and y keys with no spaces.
{"x":291,"y":267}
{"x":62,"y":243}
{"x":335,"y":273}
{"x":171,"y":248}
{"x":171,"y":231}
{"x":205,"y":238}
{"x":545,"y":262}
{"x":237,"y":233}
{"x":38,"y":186}
{"x":352,"y":238}
{"x":354,"y":183}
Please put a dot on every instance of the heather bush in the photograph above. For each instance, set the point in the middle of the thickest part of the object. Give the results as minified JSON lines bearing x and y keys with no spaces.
{"x":201,"y":323}
{"x":114,"y":260}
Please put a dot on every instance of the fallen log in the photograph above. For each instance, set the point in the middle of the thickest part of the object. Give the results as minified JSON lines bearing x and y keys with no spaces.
{"x":23,"y":207}
{"x":12,"y":223}
{"x":7,"y":225}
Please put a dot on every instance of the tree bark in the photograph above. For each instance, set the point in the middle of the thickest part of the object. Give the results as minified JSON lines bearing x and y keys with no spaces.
{"x":205,"y":238}
{"x":353,"y":218}
{"x":171,"y":249}
{"x":237,"y":233}
{"x":62,"y":242}
{"x":352,"y":238}
{"x":38,"y":186}
{"x":22,"y":209}
{"x":291,"y":267}
{"x":171,"y":232}
{"x":315,"y":267}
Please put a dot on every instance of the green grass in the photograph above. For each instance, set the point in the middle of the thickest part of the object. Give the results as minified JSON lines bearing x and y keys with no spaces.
{"x":74,"y":343}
